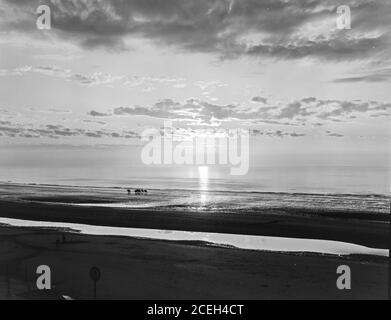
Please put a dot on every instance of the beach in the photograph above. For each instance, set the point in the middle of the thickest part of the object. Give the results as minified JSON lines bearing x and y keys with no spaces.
{"x":135,"y":268}
{"x":165,"y":270}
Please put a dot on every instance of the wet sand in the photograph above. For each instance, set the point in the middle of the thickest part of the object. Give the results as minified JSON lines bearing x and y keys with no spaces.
{"x":277,"y":222}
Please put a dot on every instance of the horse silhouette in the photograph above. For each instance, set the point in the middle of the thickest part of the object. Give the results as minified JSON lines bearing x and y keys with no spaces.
{"x":140,"y":191}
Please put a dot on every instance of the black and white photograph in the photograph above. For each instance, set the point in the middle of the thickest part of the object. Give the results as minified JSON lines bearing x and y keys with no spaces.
{"x":194,"y":151}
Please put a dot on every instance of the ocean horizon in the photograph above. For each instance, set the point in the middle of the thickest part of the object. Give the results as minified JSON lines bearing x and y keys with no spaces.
{"x":307,"y":180}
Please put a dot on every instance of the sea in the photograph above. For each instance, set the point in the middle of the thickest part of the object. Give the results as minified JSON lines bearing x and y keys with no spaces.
{"x":339,"y":188}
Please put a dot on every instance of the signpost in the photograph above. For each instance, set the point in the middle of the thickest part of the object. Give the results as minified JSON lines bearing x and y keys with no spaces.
{"x":95,"y":276}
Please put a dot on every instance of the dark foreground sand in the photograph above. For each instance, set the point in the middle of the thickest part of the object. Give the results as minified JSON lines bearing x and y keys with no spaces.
{"x":149,"y":269}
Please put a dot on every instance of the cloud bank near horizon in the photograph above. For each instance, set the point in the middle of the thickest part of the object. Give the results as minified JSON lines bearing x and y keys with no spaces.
{"x":299,"y":112}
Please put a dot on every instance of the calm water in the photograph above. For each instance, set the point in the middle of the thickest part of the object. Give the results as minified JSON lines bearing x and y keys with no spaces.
{"x":196,"y":200}
{"x":103,"y":174}
{"x":122,"y":167}
{"x":336,"y":180}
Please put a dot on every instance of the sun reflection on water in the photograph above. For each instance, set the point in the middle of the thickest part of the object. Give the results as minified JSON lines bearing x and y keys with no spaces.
{"x":203,"y":176}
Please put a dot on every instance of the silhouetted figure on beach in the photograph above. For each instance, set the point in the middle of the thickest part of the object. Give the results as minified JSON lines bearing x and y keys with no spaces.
{"x":141,"y":191}
{"x":129,"y":192}
{"x":63,"y":238}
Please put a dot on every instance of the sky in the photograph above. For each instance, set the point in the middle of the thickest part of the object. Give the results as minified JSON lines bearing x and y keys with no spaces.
{"x":107,"y":70}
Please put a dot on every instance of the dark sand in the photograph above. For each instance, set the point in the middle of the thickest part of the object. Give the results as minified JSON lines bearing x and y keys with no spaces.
{"x":149,"y":269}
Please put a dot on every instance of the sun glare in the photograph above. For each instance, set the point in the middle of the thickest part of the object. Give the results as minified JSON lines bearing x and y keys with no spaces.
{"x":203,"y":176}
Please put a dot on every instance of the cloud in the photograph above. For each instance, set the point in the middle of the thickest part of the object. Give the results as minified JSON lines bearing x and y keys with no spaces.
{"x":93,"y":79}
{"x":192,"y":110}
{"x":186,"y":134}
{"x":53,"y":127}
{"x":8,"y":129}
{"x":383,"y":75}
{"x":294,"y":110}
{"x":335,"y":49}
{"x":334,"y":135}
{"x":97,"y":78}
{"x":94,"y":113}
{"x":60,"y":111}
{"x":277,"y":133}
{"x":277,"y":29}
{"x":259,"y":99}
{"x":379,"y":115}
{"x":210,"y":86}
{"x":96,"y":122}
{"x":305,"y":111}
{"x":334,"y":110}
{"x":149,"y":83}
{"x":196,"y":114}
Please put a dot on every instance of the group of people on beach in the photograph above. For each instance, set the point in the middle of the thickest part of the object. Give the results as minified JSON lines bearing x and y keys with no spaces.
{"x":138,"y":192}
